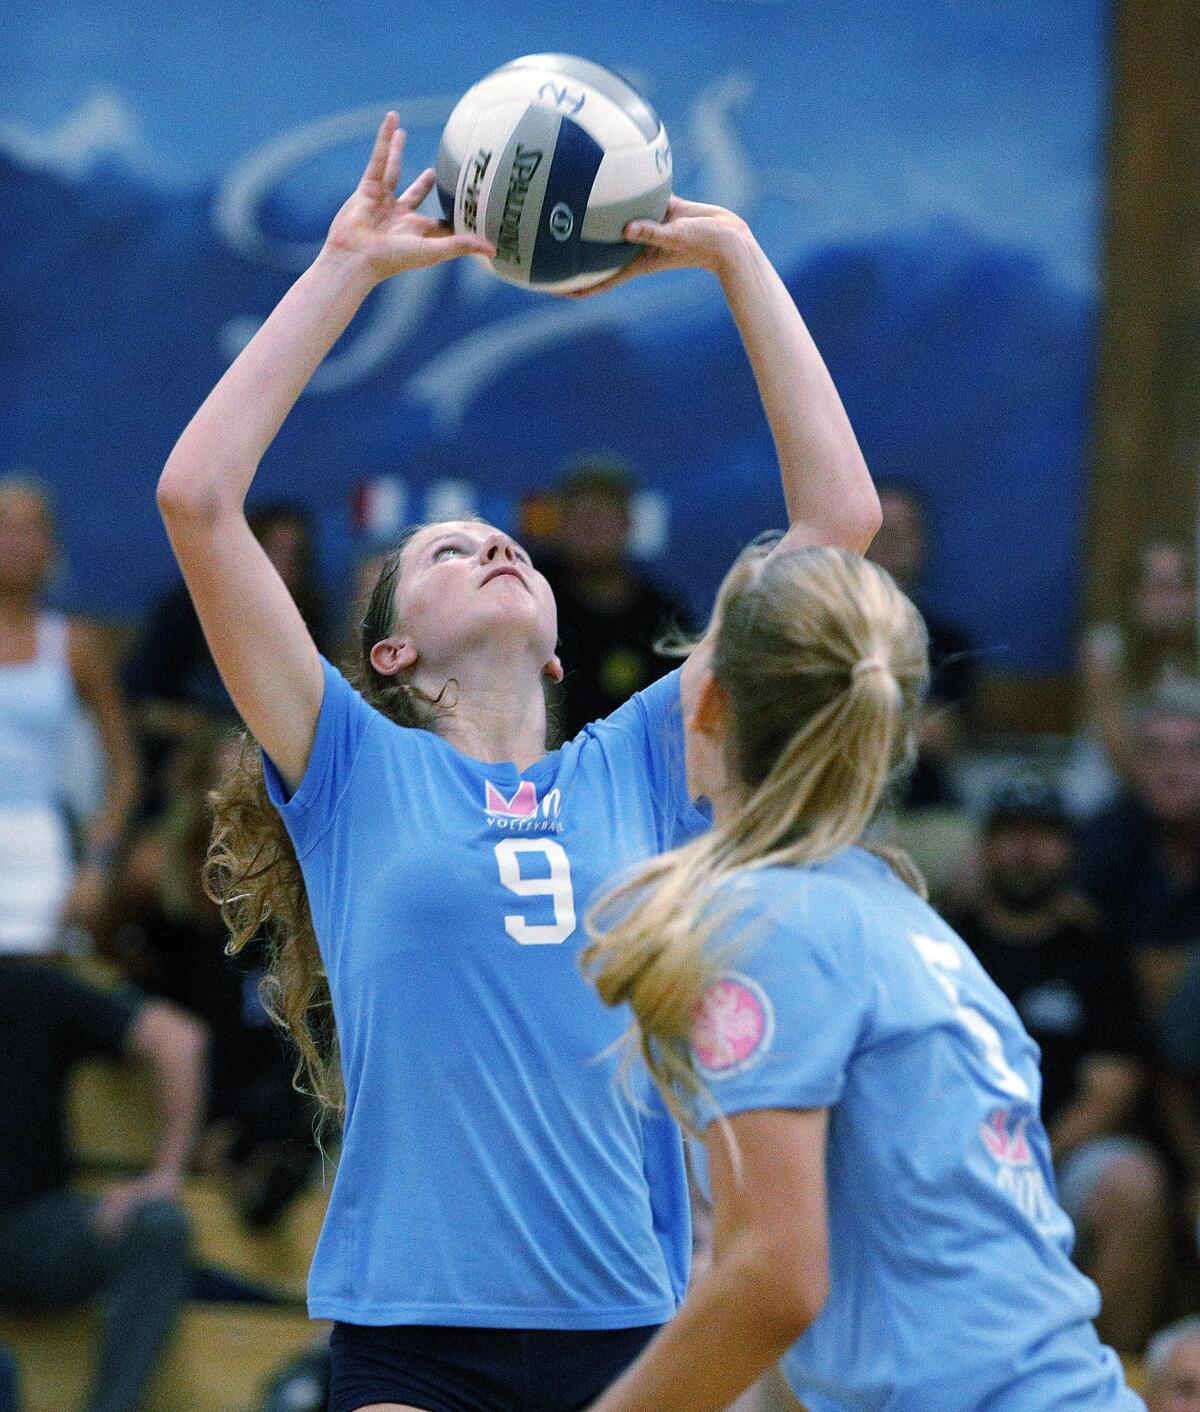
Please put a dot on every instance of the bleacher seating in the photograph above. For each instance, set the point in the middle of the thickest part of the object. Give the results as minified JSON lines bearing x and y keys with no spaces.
{"x":222,"y":1351}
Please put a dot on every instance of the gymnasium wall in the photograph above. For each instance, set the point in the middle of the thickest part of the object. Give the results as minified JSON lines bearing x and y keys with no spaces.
{"x":927,"y":178}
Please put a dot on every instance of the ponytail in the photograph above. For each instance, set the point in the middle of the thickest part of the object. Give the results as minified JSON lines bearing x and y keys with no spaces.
{"x":823,"y":661}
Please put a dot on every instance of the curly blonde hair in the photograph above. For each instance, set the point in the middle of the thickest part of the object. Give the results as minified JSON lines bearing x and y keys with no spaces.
{"x":254,"y":876}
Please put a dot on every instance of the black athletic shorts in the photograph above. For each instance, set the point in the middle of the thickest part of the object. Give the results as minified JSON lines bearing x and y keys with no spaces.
{"x":477,"y":1370}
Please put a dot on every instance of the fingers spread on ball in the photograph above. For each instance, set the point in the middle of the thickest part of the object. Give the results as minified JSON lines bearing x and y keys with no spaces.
{"x":419,"y":190}
{"x":645,"y":232}
{"x":377,"y":162}
{"x":395,"y":154}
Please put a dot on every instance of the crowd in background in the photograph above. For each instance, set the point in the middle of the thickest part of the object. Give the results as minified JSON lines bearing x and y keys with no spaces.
{"x":1071,"y":867}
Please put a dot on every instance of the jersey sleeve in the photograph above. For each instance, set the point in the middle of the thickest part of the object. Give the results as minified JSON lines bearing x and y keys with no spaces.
{"x":343,"y":722}
{"x":651,"y":723}
{"x":780,"y":1025}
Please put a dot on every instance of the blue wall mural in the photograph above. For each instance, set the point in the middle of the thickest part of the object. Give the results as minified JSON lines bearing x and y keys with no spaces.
{"x":925,"y":176}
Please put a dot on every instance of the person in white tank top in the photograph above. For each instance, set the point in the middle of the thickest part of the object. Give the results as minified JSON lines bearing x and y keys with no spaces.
{"x":49,"y":665}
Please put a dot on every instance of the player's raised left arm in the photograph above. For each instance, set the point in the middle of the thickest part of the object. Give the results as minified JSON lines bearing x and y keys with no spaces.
{"x":769,"y":1275}
{"x":827,"y":487}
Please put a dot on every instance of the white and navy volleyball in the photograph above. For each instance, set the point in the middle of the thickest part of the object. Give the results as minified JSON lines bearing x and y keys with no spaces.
{"x":550,"y":157}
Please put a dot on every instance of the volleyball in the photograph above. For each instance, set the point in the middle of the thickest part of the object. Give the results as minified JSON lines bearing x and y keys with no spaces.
{"x":549,"y":157}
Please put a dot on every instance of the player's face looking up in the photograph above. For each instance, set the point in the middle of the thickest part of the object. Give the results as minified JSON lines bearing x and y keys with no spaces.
{"x":462,"y":588}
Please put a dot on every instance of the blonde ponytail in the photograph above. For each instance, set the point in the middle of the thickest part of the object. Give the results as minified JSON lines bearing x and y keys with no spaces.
{"x":824,"y":662}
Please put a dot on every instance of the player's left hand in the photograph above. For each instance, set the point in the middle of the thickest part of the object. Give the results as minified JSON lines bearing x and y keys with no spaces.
{"x":690,"y":236}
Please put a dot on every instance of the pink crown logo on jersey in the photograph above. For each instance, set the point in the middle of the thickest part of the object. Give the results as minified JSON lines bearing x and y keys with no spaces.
{"x":522,"y":805}
{"x":732,"y":1026}
{"x":1011,"y":1148}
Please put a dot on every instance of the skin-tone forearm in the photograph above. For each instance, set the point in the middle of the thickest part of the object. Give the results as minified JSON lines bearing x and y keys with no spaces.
{"x":215,"y":459}
{"x":1106,"y":1096}
{"x":728,"y":1333}
{"x":826,"y":483}
{"x":173,"y":1046}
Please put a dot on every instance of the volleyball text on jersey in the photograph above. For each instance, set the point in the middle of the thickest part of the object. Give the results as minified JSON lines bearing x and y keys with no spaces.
{"x":521,"y":812}
{"x":1017,"y":1174}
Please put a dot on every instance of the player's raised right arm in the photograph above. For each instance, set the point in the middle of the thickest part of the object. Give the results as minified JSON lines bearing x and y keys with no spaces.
{"x":254,"y":630}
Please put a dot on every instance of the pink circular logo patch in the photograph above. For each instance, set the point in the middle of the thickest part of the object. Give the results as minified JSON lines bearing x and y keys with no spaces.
{"x":732,"y":1026}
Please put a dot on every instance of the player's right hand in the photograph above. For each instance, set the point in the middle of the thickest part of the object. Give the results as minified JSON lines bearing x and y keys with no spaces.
{"x":386,"y":232}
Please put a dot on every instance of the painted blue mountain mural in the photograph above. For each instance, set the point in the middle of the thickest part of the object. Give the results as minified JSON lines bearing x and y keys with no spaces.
{"x":965,"y":364}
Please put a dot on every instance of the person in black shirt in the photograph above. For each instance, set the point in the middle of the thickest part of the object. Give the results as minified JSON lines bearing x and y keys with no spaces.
{"x":902,"y":548}
{"x":1049,"y":952}
{"x":128,"y":1248}
{"x":1140,"y":859}
{"x":170,"y":676}
{"x":609,"y":615}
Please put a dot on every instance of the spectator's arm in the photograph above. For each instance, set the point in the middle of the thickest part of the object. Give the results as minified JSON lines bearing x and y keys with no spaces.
{"x":1108,"y":1089}
{"x":1177,"y":1109}
{"x":1106,"y":695}
{"x":173,"y":1046}
{"x":97,"y":685}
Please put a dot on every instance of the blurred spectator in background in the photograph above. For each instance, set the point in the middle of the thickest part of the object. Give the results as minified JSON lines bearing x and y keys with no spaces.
{"x":367,"y":567}
{"x":927,"y":819}
{"x":1155,"y":646}
{"x":1172,"y":1368}
{"x":10,"y":1391}
{"x":170,"y":940}
{"x":1178,"y":1035}
{"x":127,"y":1249}
{"x":301,"y":1384}
{"x":902,"y":548}
{"x":609,"y":614}
{"x":171,"y":677}
{"x":1048,"y":951}
{"x":48,"y":665}
{"x":1140,"y":859}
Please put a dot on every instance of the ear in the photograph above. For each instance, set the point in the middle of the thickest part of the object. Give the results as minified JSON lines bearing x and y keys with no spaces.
{"x":553,"y":669}
{"x":711,"y":706}
{"x":392,"y":656}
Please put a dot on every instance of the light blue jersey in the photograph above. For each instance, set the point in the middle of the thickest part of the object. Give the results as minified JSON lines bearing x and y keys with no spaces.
{"x":951,"y":1284}
{"x":492,"y":1172}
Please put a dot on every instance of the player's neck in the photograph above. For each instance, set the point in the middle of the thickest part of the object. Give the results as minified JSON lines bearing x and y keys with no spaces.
{"x":497,"y":715}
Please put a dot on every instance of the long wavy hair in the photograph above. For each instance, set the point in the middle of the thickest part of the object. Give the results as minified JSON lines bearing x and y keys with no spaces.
{"x":254,"y":876}
{"x":824,"y":662}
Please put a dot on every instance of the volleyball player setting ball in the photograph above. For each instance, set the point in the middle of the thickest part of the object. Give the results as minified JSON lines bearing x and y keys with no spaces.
{"x":505,"y":1228}
{"x":885,"y":1218}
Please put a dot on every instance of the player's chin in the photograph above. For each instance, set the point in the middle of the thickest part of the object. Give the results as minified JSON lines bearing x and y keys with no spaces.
{"x":515,"y":609}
